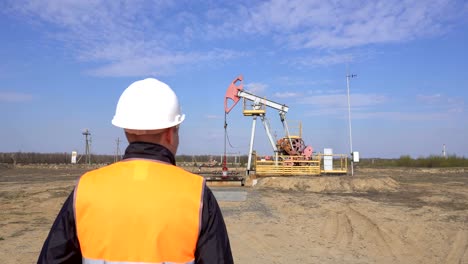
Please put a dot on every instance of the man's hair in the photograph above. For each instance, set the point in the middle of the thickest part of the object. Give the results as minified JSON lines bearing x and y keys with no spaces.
{"x":142,"y":135}
{"x":134,"y":135}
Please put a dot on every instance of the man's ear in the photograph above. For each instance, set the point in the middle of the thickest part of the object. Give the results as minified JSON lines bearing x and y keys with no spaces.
{"x":169,"y":135}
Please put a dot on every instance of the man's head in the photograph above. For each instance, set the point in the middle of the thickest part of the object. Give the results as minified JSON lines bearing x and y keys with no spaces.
{"x":149,"y":111}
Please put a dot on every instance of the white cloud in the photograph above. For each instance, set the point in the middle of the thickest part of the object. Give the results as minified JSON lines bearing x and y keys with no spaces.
{"x":374,"y":106}
{"x":123,"y":38}
{"x":442,"y":102}
{"x":145,"y":63}
{"x":13,"y":97}
{"x":128,"y":38}
{"x":401,"y":116}
{"x":214,"y":136}
{"x":341,"y":100}
{"x":455,"y":105}
{"x":327,"y":60}
{"x":213,"y":117}
{"x":327,"y":24}
{"x":286,"y":94}
{"x":429,"y":99}
{"x":148,"y":61}
{"x":298,"y":81}
{"x":330,"y":24}
{"x":256,"y":88}
{"x":336,"y":104}
{"x":367,"y":113}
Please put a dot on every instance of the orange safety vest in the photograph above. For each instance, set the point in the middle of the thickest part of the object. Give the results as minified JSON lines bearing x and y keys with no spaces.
{"x":138,"y":211}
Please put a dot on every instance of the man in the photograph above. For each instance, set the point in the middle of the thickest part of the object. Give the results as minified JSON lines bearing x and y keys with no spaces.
{"x":143,"y":209}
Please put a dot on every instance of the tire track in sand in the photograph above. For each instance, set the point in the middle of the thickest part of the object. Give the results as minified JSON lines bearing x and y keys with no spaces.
{"x":338,"y":228}
{"x":457,"y":253}
{"x":350,"y":228}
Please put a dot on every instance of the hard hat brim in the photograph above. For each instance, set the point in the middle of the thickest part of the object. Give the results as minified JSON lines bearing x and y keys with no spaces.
{"x":138,"y":126}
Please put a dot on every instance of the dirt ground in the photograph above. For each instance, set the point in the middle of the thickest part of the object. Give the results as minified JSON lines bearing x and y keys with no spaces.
{"x":377,"y":216}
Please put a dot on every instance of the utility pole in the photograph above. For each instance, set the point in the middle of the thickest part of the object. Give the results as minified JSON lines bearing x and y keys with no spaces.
{"x":348,"y":76}
{"x":87,"y":135}
{"x":117,"y":150}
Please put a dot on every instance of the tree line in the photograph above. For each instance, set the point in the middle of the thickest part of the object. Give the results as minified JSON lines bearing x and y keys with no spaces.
{"x":432,"y":161}
{"x":65,"y":158}
{"x":216,"y":160}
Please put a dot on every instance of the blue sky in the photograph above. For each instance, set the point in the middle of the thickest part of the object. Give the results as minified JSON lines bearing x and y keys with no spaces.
{"x":65,"y":63}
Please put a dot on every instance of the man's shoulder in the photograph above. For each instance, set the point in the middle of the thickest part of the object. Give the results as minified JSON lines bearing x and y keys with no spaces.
{"x":100,"y":170}
{"x":104,"y":167}
{"x":188,"y":173}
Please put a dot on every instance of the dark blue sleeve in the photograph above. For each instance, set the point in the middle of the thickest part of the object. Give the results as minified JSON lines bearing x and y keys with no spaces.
{"x":213,"y":242}
{"x":61,"y":245}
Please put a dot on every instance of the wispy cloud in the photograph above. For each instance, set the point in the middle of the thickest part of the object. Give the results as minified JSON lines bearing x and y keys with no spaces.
{"x":330,"y":24}
{"x":299,"y":81}
{"x":442,"y":102}
{"x":128,"y":38}
{"x":286,"y":94}
{"x":214,"y":136}
{"x":213,"y":117}
{"x":326,"y":60}
{"x":145,"y":62}
{"x":429,"y":99}
{"x":123,"y":38}
{"x":15,"y":97}
{"x":401,"y":116}
{"x":377,"y":106}
{"x":341,"y":101}
{"x":377,"y":113}
{"x":335,"y":104}
{"x":256,"y":88}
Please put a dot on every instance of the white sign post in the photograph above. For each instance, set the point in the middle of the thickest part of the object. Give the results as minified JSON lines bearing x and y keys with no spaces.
{"x":73,"y":157}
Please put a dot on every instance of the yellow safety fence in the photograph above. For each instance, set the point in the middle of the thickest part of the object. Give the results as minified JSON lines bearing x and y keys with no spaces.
{"x":298,"y":166}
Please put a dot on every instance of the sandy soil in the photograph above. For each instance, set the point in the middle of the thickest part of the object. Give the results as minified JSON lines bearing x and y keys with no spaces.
{"x":379,"y":216}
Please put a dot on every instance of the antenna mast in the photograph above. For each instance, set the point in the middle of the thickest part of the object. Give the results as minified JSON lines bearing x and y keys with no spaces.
{"x":86,"y":133}
{"x":117,"y":151}
{"x":348,"y":76}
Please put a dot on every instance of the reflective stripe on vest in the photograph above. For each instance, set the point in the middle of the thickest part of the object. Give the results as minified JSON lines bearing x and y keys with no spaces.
{"x":138,"y":211}
{"x":93,"y":261}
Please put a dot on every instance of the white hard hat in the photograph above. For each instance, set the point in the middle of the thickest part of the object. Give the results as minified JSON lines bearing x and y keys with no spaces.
{"x":148,"y":104}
